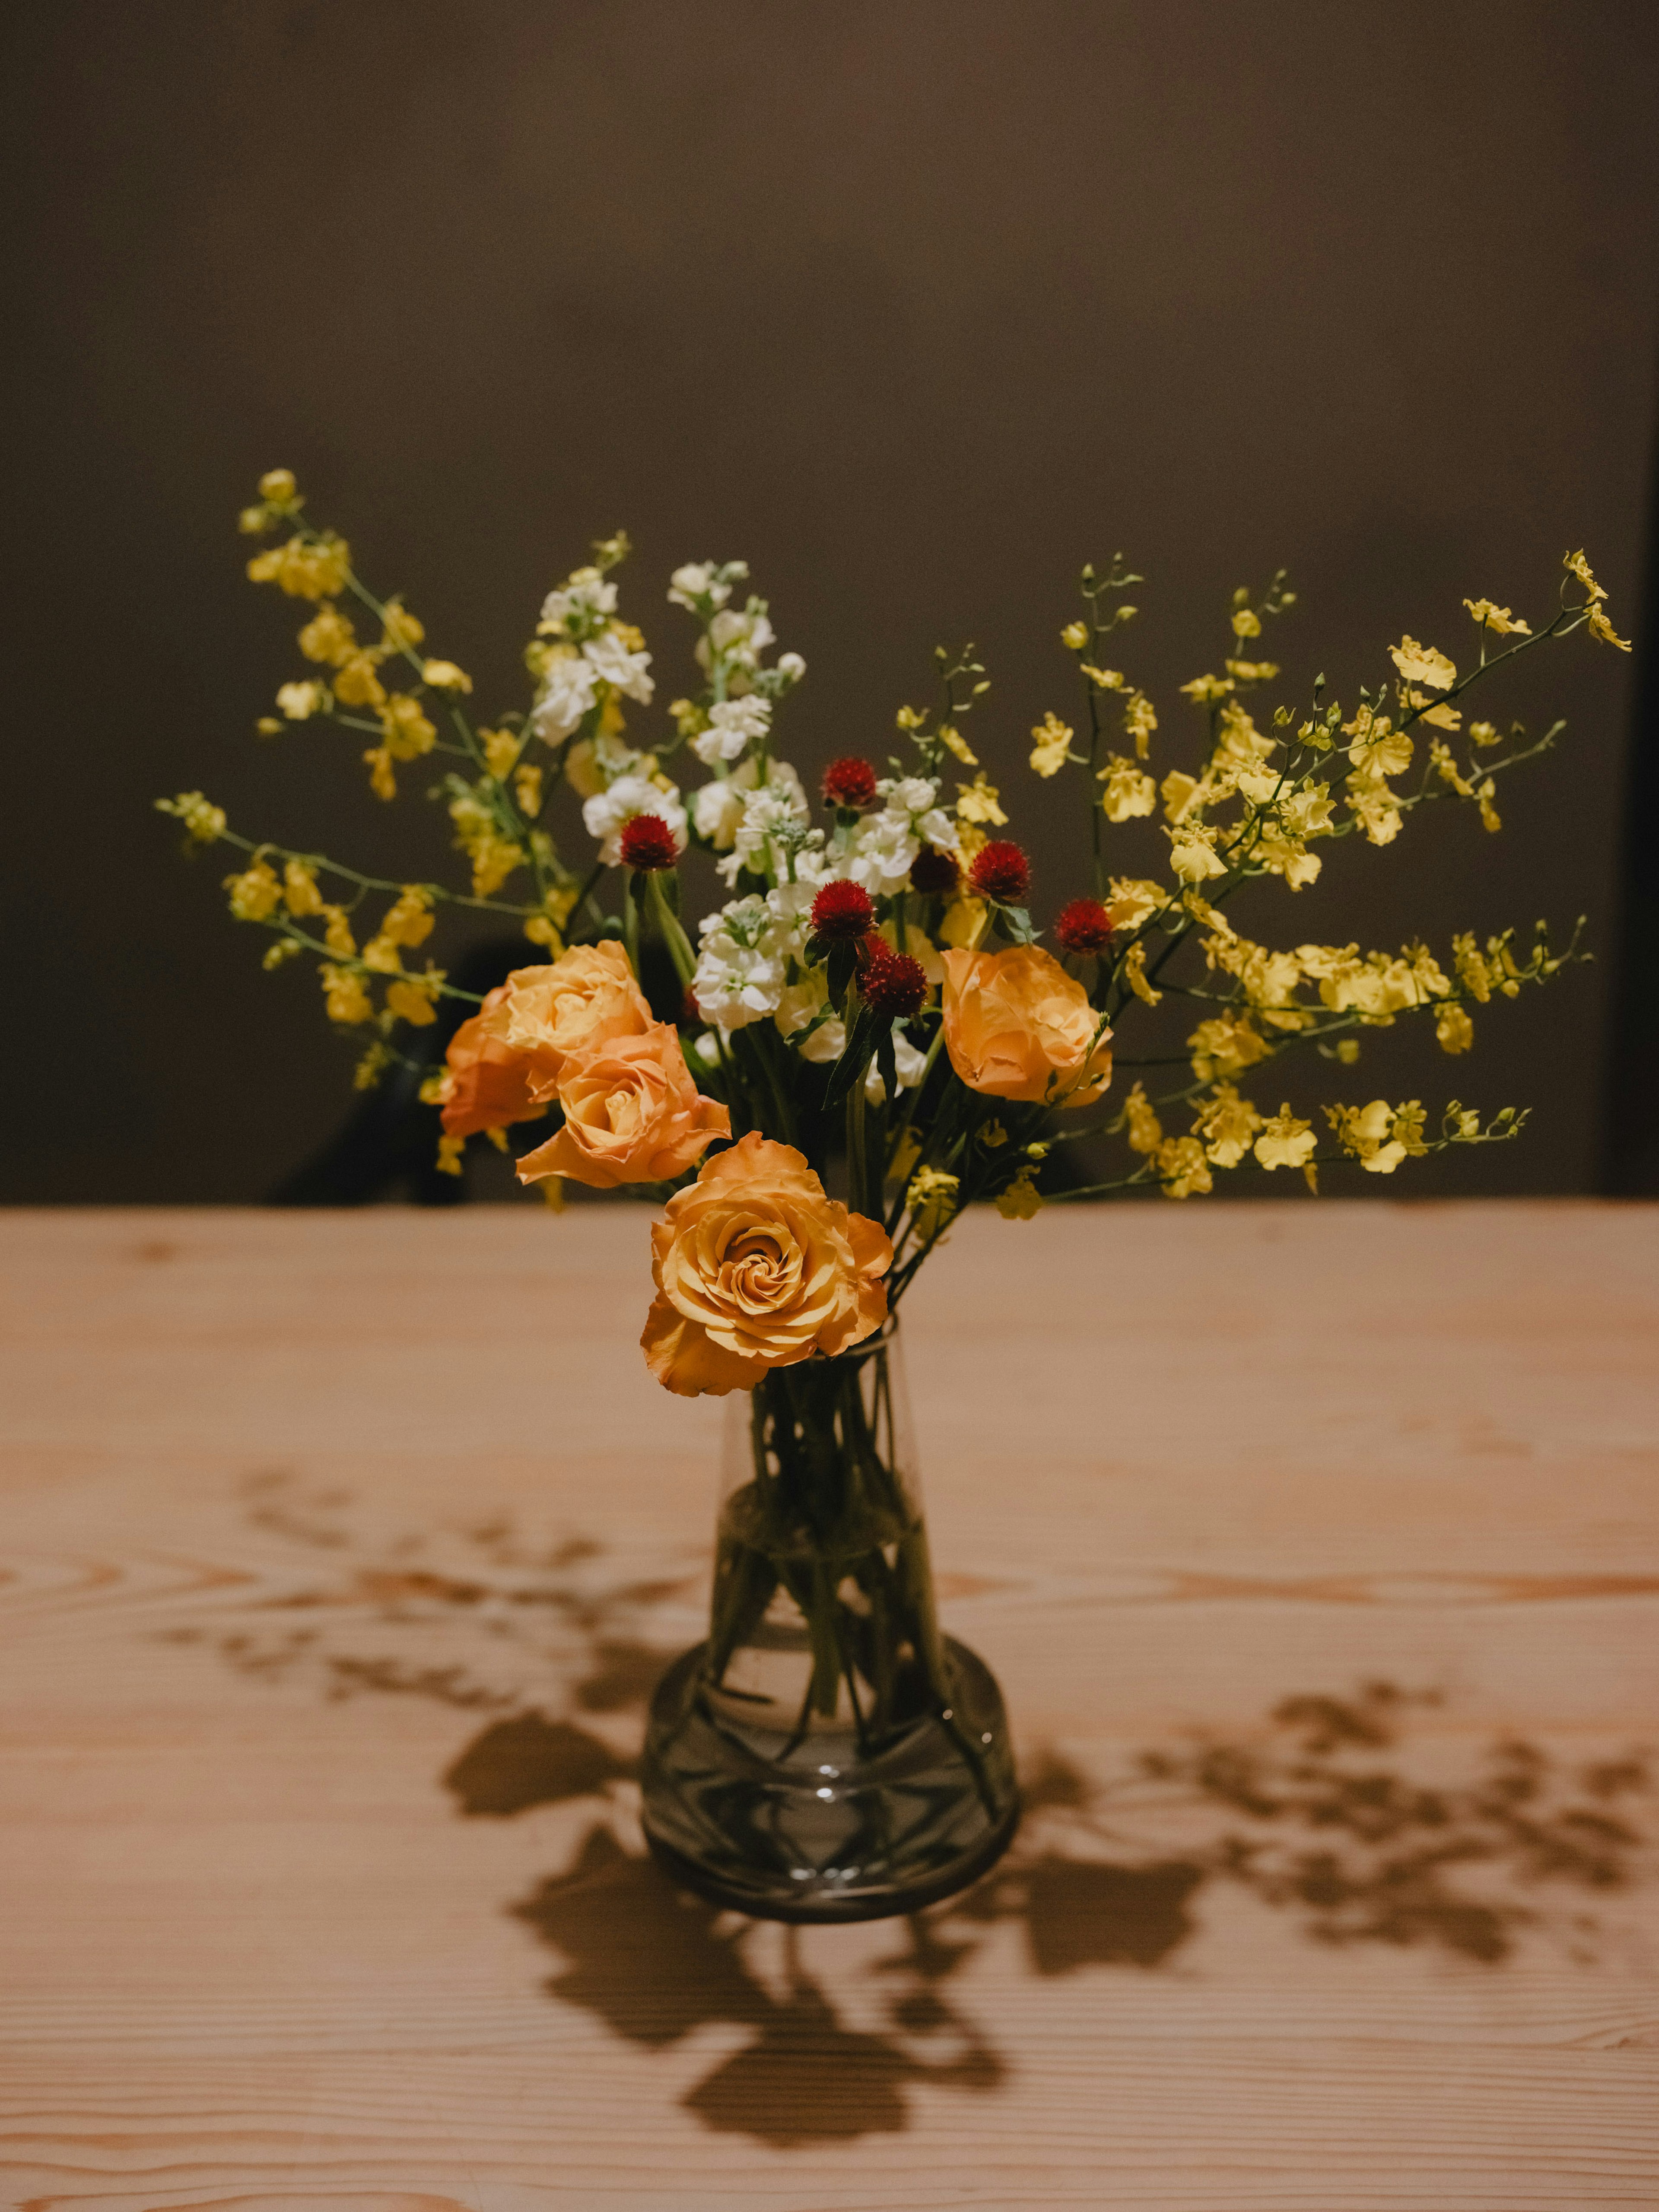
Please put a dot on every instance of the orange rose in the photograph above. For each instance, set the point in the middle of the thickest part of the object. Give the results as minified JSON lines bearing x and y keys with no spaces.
{"x":486,"y":1084}
{"x":632,"y":1114}
{"x":757,"y":1269}
{"x":585,"y":998}
{"x":1016,"y":1024}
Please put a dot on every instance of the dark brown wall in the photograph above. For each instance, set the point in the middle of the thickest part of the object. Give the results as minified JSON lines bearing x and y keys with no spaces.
{"x":917,"y":307}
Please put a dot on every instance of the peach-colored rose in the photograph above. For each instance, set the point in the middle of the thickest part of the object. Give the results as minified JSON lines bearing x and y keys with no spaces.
{"x":1016,"y":1024}
{"x":486,"y":1083}
{"x":585,"y":998}
{"x":757,"y":1269}
{"x":632,"y":1114}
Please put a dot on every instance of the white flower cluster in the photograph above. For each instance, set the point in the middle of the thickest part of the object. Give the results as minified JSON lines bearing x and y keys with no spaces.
{"x":881,"y":850}
{"x":733,"y":725}
{"x":740,"y":965}
{"x":704,"y":580}
{"x":608,"y":813}
{"x":773,"y":822}
{"x":592,"y":651}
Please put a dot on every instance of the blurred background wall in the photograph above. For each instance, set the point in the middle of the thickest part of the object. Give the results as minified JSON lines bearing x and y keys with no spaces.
{"x":916,"y":307}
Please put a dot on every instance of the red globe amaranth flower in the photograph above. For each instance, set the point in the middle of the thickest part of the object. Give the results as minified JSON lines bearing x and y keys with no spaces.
{"x":849,"y":783}
{"x":891,"y":983}
{"x":1000,"y":871}
{"x":690,"y":1011}
{"x":1084,"y":926}
{"x":843,"y":910}
{"x":648,"y":842}
{"x":933,"y":871}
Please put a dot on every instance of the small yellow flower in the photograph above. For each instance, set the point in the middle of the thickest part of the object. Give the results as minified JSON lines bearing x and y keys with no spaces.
{"x":299,"y":891}
{"x":1603,"y":631}
{"x":369,"y":1069}
{"x":400,"y":631}
{"x":1075,"y":636}
{"x":1051,"y":741}
{"x":256,"y":892}
{"x":1140,"y":721}
{"x":1203,"y":688}
{"x":1021,"y":1200}
{"x":409,"y":919}
{"x":411,"y":997}
{"x":1193,"y":856}
{"x":338,"y":933}
{"x":964,"y":923}
{"x":1129,"y":791}
{"x":328,"y":636}
{"x":381,"y":780}
{"x":1246,"y":623}
{"x":449,"y":1155}
{"x":283,"y":949}
{"x":1182,"y":1167}
{"x":444,"y":676}
{"x":501,"y":749}
{"x":1225,"y":1125}
{"x":1134,"y":974}
{"x":356,"y":684}
{"x":528,"y":790}
{"x":299,"y":701}
{"x":268,"y":726}
{"x":1497,"y":619}
{"x":1448,"y":769}
{"x":1104,"y":679}
{"x":345,"y":998}
{"x":932,"y":1201}
{"x":278,"y":487}
{"x":1485,"y":734}
{"x":1252,"y":671}
{"x":1285,"y":1142}
{"x":1490,"y":817}
{"x":203,"y":822}
{"x":978,"y":801}
{"x":1439,"y":714}
{"x":908,"y":718}
{"x":408,"y":731}
{"x":1223,"y":1045}
{"x":953,"y":741}
{"x":1146,"y":1131}
{"x":1453,"y":1031}
{"x":1134,"y":899}
{"x":1579,"y":565}
{"x":1422,"y":664}
{"x":317,"y":571}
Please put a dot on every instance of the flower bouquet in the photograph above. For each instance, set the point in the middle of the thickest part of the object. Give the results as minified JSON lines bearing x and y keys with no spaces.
{"x":863,"y":1035}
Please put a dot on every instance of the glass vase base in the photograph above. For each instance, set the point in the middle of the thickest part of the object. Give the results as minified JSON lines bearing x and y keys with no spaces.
{"x":818,"y":1822}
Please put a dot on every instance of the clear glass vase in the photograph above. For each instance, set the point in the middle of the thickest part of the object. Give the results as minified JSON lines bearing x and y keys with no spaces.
{"x":827,"y":1754}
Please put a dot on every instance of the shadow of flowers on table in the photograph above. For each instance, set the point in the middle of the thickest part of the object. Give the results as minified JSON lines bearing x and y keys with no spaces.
{"x":1352,"y":1817}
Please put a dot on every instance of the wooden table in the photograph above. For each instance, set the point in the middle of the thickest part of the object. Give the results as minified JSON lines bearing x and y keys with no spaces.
{"x":340,"y":1551}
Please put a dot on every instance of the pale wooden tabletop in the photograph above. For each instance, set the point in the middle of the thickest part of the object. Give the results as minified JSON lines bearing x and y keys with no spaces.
{"x":339,"y":1552}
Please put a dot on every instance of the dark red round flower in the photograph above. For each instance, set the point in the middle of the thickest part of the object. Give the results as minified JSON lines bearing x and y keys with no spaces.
{"x":1084,"y":926}
{"x":690,"y":1011}
{"x":892,"y":983}
{"x":849,"y":783}
{"x":934,"y":870}
{"x":648,"y":842}
{"x":1000,"y":871}
{"x":843,"y":910}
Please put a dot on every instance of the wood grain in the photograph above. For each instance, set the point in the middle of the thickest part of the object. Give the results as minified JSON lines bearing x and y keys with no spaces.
{"x":338,"y":1553}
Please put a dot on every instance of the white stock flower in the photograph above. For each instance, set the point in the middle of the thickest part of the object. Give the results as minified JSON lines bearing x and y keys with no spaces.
{"x":907,"y":1065}
{"x":584,"y":595}
{"x":567,"y":693}
{"x":624,"y":671}
{"x":732,"y":724}
{"x":607,"y":813}
{"x":801,"y":1005}
{"x":739,"y":977}
{"x":778,"y":803}
{"x":790,"y":666}
{"x":696,"y":581}
{"x":717,"y":807}
{"x":593,"y":762}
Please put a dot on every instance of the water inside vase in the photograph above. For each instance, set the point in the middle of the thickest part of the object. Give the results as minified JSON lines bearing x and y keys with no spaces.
{"x":826,"y":1753}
